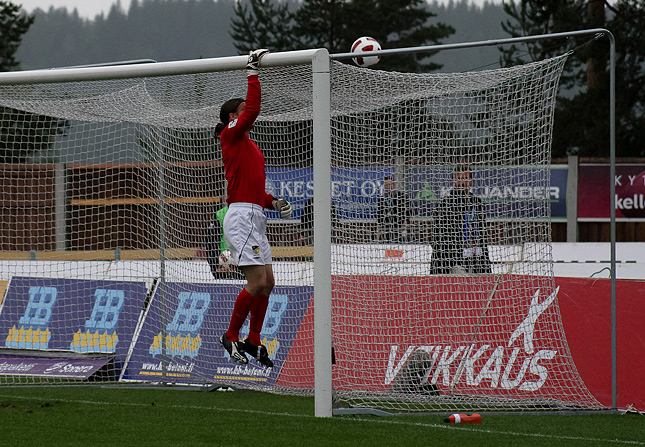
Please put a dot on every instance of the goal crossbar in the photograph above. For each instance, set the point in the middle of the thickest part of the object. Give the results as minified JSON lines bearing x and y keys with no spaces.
{"x":152,"y":69}
{"x":482,"y":43}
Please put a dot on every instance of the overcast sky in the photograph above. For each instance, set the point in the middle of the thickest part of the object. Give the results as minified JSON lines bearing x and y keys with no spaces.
{"x":86,"y":8}
{"x":91,"y":8}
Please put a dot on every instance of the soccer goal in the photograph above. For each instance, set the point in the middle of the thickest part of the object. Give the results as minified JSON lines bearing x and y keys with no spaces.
{"x":111,"y":177}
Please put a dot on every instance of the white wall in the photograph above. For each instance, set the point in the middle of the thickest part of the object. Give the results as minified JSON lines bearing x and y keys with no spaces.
{"x":569,"y":260}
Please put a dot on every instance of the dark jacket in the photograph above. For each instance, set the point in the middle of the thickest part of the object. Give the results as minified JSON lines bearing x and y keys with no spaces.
{"x":459,"y":222}
{"x":392,"y":211}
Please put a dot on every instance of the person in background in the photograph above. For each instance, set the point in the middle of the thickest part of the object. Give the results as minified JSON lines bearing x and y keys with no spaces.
{"x":216,"y":245}
{"x":459,"y":230}
{"x":307,"y":222}
{"x":392,"y":214}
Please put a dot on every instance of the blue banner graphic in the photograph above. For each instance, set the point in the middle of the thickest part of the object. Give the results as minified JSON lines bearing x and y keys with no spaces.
{"x":508,"y":192}
{"x":354,"y":191}
{"x":179,"y":339}
{"x":84,"y":316}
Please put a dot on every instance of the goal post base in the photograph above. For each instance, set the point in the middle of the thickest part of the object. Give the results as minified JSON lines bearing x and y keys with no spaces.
{"x":356,"y":411}
{"x":377,"y":412}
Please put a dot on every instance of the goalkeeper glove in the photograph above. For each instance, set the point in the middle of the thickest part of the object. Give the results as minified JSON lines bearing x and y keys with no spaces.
{"x":283,"y":206}
{"x":253,"y":63}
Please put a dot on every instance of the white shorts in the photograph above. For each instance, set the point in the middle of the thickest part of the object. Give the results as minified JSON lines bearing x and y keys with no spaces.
{"x":245,"y":226}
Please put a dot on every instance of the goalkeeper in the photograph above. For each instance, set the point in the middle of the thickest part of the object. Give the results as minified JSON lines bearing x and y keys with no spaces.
{"x":245,"y":221}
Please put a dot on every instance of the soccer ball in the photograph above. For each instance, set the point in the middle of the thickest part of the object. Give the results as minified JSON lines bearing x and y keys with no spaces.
{"x":226,"y":262}
{"x":363,"y":45}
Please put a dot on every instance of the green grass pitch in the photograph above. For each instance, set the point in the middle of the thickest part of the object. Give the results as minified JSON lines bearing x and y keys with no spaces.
{"x":118,"y":416}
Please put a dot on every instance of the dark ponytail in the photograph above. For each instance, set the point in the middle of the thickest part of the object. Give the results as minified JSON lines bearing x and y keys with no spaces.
{"x":228,"y":107}
{"x":219,"y":128}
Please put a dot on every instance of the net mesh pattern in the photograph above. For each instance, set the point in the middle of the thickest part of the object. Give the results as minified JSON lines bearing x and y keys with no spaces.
{"x":443,"y":289}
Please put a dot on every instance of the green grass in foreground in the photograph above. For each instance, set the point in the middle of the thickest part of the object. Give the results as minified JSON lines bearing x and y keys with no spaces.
{"x":86,"y":416}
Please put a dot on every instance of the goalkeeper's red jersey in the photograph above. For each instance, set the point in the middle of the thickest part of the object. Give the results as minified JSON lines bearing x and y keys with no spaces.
{"x":244,"y":163}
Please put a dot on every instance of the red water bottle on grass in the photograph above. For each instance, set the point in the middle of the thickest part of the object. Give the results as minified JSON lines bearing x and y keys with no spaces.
{"x":460,"y":418}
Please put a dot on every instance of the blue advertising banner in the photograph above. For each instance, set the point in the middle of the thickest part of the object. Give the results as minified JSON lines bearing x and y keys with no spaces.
{"x":558,"y":191}
{"x":195,"y":317}
{"x":83,"y":316}
{"x":355,"y":191}
{"x":509,"y":192}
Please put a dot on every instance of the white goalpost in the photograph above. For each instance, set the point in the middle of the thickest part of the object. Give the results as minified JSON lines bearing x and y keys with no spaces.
{"x":397,"y":289}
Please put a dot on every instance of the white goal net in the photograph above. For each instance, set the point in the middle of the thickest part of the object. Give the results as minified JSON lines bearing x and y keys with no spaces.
{"x":443,"y":293}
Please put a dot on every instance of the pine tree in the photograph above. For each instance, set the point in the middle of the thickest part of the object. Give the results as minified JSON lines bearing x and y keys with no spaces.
{"x":13,"y":25}
{"x":23,"y":135}
{"x":628,"y":26}
{"x":263,"y":24}
{"x":335,"y":24}
{"x":395,"y":24}
{"x":582,"y":118}
{"x":535,"y":17}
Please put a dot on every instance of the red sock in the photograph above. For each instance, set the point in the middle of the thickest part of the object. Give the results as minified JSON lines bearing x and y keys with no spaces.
{"x":243,"y":304}
{"x":258,"y":311}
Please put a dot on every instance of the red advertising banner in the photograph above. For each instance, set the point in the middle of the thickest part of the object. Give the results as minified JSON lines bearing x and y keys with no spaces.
{"x":538,"y":343}
{"x":487,"y":336}
{"x":585,"y":305}
{"x":593,"y":192}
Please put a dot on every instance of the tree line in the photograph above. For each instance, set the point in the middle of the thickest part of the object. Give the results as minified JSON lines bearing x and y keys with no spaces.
{"x":188,"y":29}
{"x":165,"y":30}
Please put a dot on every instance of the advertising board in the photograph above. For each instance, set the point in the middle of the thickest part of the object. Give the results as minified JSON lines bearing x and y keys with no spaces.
{"x":192,"y":317}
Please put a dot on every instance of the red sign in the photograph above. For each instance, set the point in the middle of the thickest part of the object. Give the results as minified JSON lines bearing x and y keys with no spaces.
{"x":593,"y":191}
{"x":393,"y":253}
{"x":485,"y":338}
{"x":585,"y":305}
